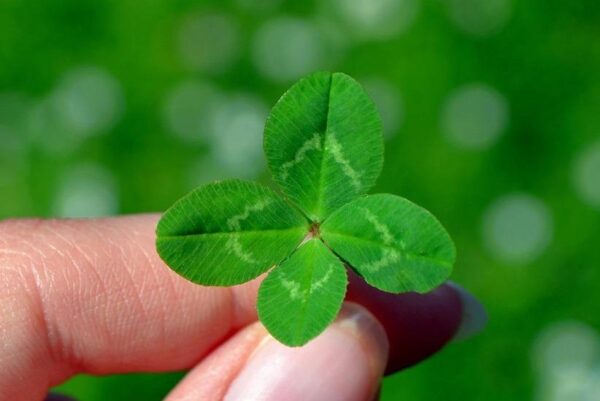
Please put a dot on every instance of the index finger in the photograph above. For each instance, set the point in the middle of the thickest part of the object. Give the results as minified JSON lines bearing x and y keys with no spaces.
{"x":93,"y":296}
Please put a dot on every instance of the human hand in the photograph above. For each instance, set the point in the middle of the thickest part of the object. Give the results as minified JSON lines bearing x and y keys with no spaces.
{"x":92,"y":296}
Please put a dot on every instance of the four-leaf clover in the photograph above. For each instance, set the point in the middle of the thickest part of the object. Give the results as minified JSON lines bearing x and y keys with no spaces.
{"x":324,"y":146}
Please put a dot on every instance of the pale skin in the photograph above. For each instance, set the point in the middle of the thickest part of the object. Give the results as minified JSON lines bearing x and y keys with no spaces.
{"x":93,"y":296}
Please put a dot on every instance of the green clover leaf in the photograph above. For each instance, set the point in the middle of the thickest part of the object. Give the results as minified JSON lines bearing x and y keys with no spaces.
{"x":392,"y":243}
{"x":228,"y":232}
{"x":300,"y":297}
{"x":324,"y":147}
{"x":324,"y":143}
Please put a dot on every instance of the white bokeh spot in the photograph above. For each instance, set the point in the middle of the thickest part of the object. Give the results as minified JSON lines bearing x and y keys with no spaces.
{"x":480,"y":18}
{"x":86,"y":190}
{"x":237,"y":129}
{"x":474,"y":116}
{"x":566,"y":360}
{"x":517,"y":228}
{"x":375,"y":19}
{"x":286,"y":48}
{"x":188,"y":108}
{"x":89,"y":100}
{"x":586,"y":175}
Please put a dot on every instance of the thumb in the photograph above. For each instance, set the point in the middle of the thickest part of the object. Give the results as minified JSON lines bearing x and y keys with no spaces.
{"x":345,"y":362}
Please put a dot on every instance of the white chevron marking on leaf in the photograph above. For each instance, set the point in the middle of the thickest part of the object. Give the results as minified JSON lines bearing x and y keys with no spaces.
{"x":338,"y":156}
{"x":381,"y":228}
{"x":234,"y":224}
{"x":293,"y":287}
{"x":295,"y":290}
{"x":389,"y":256}
{"x":319,"y":283}
{"x":314,"y":143}
{"x":234,"y":244}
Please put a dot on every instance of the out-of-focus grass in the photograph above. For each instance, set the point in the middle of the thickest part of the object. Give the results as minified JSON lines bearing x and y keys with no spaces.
{"x":70,"y":146}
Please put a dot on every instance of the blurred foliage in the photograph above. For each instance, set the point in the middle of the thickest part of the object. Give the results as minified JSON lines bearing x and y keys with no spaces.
{"x":83,"y":91}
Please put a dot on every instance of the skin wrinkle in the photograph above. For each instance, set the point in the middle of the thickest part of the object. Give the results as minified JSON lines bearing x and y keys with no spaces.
{"x":150,"y":285}
{"x":63,"y":366}
{"x":55,"y":233}
{"x":74,"y":253}
{"x":72,"y":273}
{"x":139,"y":286}
{"x":26,"y":316}
{"x":171,"y":289}
{"x":130,"y":302}
{"x":52,"y":344}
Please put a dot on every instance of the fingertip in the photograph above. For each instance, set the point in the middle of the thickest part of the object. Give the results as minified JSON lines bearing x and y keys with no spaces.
{"x":357,"y":321}
{"x":345,"y":362}
{"x":417,"y":325}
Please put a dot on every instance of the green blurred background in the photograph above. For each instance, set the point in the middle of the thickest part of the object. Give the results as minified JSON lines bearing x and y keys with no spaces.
{"x":491,"y":111}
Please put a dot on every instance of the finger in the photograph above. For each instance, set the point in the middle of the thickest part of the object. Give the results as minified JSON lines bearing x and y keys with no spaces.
{"x":93,"y":296}
{"x":344,"y":363}
{"x":419,"y":325}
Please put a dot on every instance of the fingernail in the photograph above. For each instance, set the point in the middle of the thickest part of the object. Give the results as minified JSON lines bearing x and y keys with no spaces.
{"x":344,"y":363}
{"x":474,"y":316}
